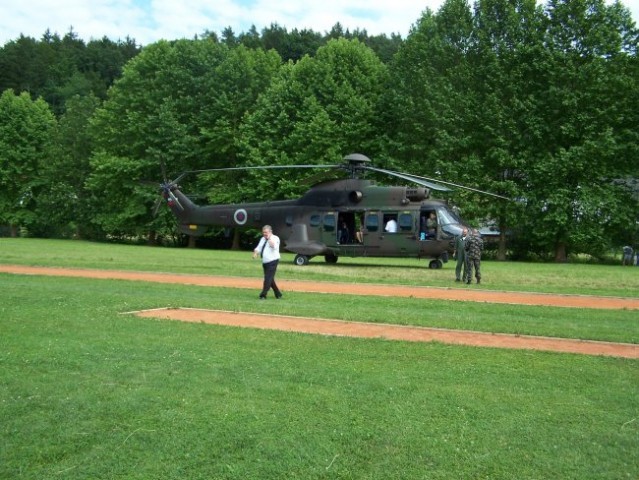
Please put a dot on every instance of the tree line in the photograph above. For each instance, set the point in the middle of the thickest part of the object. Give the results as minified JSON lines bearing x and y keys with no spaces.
{"x":535,"y":102}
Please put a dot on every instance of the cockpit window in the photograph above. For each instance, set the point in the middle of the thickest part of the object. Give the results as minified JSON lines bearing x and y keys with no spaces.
{"x":446,"y":216}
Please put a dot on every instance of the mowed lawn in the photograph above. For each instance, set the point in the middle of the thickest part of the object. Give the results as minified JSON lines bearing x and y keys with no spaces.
{"x":89,"y":392}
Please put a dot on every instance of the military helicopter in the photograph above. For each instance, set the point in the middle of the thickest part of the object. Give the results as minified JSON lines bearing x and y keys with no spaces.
{"x":352,"y":217}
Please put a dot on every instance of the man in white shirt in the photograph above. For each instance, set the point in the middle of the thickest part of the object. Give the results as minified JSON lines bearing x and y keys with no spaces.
{"x":269,"y":248}
{"x":391,"y":226}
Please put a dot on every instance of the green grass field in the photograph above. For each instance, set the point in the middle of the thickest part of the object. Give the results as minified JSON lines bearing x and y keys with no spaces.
{"x":89,"y":393}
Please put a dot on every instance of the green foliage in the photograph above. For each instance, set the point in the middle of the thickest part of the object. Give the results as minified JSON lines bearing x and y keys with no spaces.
{"x":318,"y":109}
{"x":63,"y":209}
{"x":27,"y":135}
{"x":118,"y":205}
{"x":528,"y":103}
{"x":57,"y":68}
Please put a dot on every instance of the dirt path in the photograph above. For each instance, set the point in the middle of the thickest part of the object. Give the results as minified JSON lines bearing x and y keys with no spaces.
{"x":368,"y":330}
{"x":468,"y":294}
{"x":391,"y":332}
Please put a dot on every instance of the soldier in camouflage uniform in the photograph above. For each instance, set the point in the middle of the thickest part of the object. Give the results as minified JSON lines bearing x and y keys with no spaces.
{"x":474,"y":246}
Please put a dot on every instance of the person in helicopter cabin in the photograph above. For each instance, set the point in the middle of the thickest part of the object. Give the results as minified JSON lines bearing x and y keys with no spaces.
{"x":431,"y":226}
{"x":391,"y":225}
{"x":343,"y":234}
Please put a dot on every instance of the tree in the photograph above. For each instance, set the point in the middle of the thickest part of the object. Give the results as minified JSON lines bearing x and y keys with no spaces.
{"x":63,"y":208}
{"x":431,"y":98}
{"x":587,"y":101}
{"x":506,"y":35}
{"x":176,"y":107}
{"x":318,"y":110}
{"x":57,"y":69}
{"x":27,"y":133}
{"x":540,"y":106}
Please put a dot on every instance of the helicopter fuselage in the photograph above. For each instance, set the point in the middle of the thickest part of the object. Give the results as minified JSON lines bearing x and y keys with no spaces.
{"x":348,"y":217}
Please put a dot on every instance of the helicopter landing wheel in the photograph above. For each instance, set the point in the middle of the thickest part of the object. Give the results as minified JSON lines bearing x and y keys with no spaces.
{"x":435,"y":264}
{"x":301,"y":260}
{"x":330,"y":258}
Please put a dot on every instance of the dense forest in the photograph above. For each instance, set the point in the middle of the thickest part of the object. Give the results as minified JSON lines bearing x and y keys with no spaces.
{"x":537,"y":102}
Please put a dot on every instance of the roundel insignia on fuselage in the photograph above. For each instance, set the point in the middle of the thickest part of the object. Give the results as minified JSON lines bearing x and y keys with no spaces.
{"x":240,"y":216}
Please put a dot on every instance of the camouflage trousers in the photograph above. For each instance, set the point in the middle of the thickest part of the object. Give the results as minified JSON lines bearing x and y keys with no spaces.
{"x":470,"y":264}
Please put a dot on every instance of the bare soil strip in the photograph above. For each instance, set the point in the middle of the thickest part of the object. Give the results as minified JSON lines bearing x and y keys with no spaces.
{"x":469,"y":294}
{"x":392,"y":332}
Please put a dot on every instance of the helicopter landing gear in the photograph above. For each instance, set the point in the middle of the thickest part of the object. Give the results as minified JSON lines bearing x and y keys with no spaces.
{"x":330,"y":258}
{"x":435,"y":264}
{"x":301,"y":260}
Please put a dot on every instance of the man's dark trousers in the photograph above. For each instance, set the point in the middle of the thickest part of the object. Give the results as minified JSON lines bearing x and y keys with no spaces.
{"x":269,"y":278}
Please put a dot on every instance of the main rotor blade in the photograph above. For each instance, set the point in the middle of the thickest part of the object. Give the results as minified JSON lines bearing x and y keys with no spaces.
{"x":411,"y":178}
{"x":264,"y":167}
{"x":156,"y":208}
{"x":464,"y":187}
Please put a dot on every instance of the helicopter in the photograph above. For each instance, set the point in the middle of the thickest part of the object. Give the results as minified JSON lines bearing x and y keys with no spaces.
{"x":350,"y":217}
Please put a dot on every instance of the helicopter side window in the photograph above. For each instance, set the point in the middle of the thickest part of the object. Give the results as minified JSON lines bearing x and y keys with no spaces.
{"x":289,"y":220}
{"x":329,"y":222}
{"x":405,"y":222}
{"x":372,"y":222}
{"x":315,"y":220}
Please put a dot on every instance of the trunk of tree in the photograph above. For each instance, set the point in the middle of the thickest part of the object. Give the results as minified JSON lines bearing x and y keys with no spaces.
{"x":152,"y":240}
{"x":191,"y":242}
{"x":236,"y":239}
{"x":501,"y":249}
{"x":13,"y":229}
{"x":560,"y":252}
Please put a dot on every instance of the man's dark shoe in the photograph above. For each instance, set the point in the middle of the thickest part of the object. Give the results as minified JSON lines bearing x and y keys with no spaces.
{"x":478,"y":280}
{"x":262,"y":297}
{"x":457,"y":280}
{"x":278,"y":296}
{"x":468,"y":282}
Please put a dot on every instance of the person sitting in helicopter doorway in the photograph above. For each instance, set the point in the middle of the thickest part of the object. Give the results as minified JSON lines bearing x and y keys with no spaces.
{"x":269,"y":249}
{"x":460,"y":255}
{"x":343,"y":235}
{"x":431,"y":226}
{"x":422,"y":228}
{"x":473,"y":247}
{"x":627,"y":255}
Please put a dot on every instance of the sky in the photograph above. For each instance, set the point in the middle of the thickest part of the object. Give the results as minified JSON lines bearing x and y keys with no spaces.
{"x":147,"y":21}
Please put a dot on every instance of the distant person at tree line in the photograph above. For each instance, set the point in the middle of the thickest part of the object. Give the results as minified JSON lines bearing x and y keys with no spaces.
{"x":474,"y":246}
{"x":269,"y":249}
{"x":627,"y":255}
